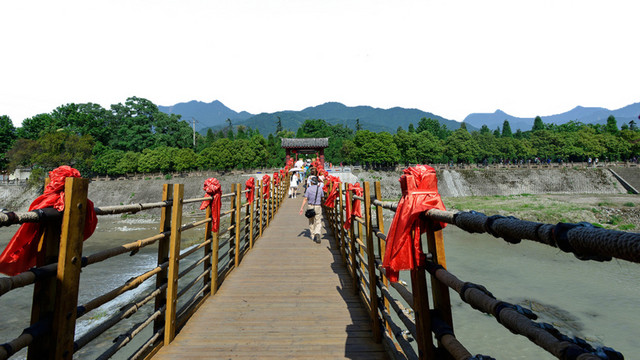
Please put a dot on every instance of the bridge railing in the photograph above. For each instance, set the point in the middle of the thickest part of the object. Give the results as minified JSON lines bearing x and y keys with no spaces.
{"x":407,"y":311}
{"x":185,"y":275}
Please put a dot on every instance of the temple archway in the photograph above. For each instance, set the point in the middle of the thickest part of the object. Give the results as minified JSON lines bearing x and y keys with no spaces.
{"x":305,"y":146}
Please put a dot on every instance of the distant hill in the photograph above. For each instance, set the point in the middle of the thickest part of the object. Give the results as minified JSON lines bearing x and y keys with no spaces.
{"x":374,"y":119}
{"x":207,"y":114}
{"x":587,"y":115}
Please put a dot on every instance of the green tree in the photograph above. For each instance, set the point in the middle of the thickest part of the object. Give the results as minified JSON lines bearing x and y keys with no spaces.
{"x":372,"y":148}
{"x":411,"y":128}
{"x":21,"y":153}
{"x":107,"y":162}
{"x":506,"y":129}
{"x":434,"y":127}
{"x":158,"y":159}
{"x":7,"y":138}
{"x":185,"y":160}
{"x":429,"y":148}
{"x":537,"y":124}
{"x":170,"y":131}
{"x":460,"y":146}
{"x":133,"y":124}
{"x":35,"y":126}
{"x":55,"y":149}
{"x":128,"y":163}
{"x":612,"y":125}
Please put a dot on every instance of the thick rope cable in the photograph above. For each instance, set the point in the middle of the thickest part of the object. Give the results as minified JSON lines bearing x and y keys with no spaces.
{"x":519,"y":320}
{"x":584,"y":240}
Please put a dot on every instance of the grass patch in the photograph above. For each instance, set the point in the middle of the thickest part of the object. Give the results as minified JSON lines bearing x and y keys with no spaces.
{"x":627,"y":227}
{"x":629,"y":204}
{"x":615,"y":220}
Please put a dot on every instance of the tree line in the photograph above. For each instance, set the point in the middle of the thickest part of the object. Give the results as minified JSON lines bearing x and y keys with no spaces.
{"x":137,"y":137}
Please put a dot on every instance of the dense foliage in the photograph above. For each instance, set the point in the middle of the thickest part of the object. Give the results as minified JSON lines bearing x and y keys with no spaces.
{"x":137,"y":137}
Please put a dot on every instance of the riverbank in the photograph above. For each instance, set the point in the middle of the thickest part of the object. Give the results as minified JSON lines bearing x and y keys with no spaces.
{"x":544,"y":195}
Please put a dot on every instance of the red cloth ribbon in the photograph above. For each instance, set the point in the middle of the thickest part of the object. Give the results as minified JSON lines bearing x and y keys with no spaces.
{"x":352,"y":209}
{"x":266,"y":187}
{"x":213,"y":188}
{"x":251,"y":186}
{"x":333,"y":194}
{"x":276,"y":178}
{"x":419,"y":194}
{"x":20,"y":253}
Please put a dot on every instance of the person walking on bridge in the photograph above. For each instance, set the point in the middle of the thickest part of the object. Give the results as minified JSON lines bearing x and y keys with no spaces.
{"x":313,"y":197}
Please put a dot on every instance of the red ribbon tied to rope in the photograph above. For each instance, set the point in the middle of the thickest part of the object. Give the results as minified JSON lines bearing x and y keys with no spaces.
{"x":419,"y":194}
{"x":213,"y":188}
{"x":266,"y":187}
{"x":251,"y":186}
{"x":20,"y":253}
{"x":333,"y":194}
{"x":352,"y":209}
{"x":276,"y":178}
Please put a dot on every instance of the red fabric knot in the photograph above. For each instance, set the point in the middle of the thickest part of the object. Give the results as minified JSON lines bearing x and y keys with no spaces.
{"x":276,"y":178}
{"x":213,"y":188}
{"x":352,"y":208}
{"x":251,"y":186}
{"x":419,"y":194}
{"x":333,"y":194}
{"x":266,"y":187}
{"x":20,"y":253}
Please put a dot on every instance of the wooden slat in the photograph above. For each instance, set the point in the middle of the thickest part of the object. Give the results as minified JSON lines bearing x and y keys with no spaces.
{"x":290,"y":298}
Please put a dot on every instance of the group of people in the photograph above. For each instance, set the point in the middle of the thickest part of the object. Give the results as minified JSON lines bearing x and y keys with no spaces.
{"x":307,"y":173}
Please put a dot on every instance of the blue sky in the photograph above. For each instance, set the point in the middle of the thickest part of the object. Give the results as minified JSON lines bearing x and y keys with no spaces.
{"x":451,"y":58}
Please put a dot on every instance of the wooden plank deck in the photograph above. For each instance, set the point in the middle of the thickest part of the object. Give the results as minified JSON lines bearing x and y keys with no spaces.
{"x":289,"y":298}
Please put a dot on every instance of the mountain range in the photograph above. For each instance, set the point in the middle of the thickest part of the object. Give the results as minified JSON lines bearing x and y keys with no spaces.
{"x":586,"y":115}
{"x":214,"y":115}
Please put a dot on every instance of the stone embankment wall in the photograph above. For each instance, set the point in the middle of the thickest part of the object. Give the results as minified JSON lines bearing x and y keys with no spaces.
{"x":487,"y":182}
{"x":452,"y":183}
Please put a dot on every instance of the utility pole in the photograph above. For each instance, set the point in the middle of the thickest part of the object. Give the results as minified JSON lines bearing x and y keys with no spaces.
{"x":194,"y":121}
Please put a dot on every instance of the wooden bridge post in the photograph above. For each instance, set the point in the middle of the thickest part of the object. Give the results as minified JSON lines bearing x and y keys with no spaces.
{"x":44,"y":290}
{"x":252,"y":213}
{"x":382,"y":245}
{"x":174,"y":253}
{"x":341,"y":238}
{"x":362,"y":254}
{"x":440,"y":291}
{"x":261,"y":209}
{"x":421,"y":311}
{"x":69,"y":265}
{"x":238,"y":212}
{"x":163,"y":256}
{"x":371,"y":262}
{"x":352,"y":251}
{"x":215,"y":245}
{"x":272,"y":200}
{"x":268,"y":204}
{"x":208,"y":250}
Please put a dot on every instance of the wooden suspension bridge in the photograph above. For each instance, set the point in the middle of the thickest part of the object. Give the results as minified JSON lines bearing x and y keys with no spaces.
{"x":260,"y":288}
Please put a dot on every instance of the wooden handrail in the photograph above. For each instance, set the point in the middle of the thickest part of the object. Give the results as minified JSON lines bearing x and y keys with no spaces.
{"x":362,"y":261}
{"x":167,"y":319}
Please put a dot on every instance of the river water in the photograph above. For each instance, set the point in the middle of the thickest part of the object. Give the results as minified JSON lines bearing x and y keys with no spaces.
{"x":596,"y":301}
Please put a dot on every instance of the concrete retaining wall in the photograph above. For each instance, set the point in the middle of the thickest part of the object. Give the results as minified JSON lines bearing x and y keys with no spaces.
{"x":454,"y":183}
